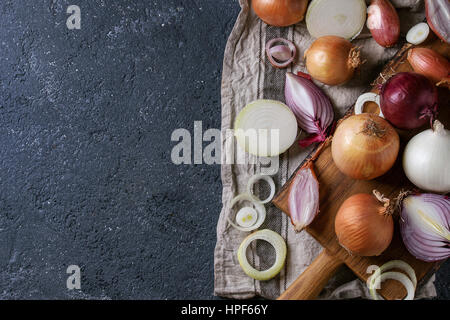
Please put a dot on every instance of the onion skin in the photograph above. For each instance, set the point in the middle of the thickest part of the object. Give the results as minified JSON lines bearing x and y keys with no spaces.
{"x":280,"y":13}
{"x":332,"y":60}
{"x":383,"y":23}
{"x":429,"y":63}
{"x":437,"y":12}
{"x":363,"y":225}
{"x":365,"y":146}
{"x":409,"y":100}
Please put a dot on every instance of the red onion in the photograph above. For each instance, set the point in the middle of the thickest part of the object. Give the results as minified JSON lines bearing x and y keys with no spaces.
{"x":425,"y":226}
{"x":438,"y":13}
{"x":304,"y":197}
{"x":383,"y":22}
{"x":310,"y":105}
{"x":280,"y":55}
{"x":409,"y":100}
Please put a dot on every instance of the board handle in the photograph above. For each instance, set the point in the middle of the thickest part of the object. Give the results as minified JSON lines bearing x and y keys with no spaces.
{"x":311,"y":282}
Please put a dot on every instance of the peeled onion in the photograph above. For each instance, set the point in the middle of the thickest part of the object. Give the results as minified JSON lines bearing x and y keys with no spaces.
{"x":365,"y":146}
{"x":332,"y":60}
{"x":280,"y":13}
{"x":364,"y":224}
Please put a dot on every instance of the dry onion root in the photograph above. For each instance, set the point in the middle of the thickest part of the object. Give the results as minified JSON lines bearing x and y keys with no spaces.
{"x":280,"y":251}
{"x":280,"y":52}
{"x":409,"y":281}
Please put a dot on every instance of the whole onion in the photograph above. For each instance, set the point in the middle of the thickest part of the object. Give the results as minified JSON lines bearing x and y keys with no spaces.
{"x":365,"y":146}
{"x":409,"y":100}
{"x":383,"y":22}
{"x":332,"y":60}
{"x":364,"y":224}
{"x":280,"y":13}
{"x":429,"y":63}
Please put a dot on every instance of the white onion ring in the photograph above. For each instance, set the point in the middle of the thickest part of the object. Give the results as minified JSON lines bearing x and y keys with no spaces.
{"x":286,"y":43}
{"x":374,"y":280}
{"x":366,"y":97}
{"x":253,"y":180}
{"x":260,"y":209}
{"x":246,"y":211}
{"x":394,"y":276}
{"x":280,"y":251}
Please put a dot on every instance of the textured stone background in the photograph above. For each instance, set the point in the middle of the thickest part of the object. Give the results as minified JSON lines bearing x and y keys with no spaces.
{"x":86,"y":118}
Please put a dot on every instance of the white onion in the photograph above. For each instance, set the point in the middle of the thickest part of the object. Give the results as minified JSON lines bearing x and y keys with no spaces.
{"x":342,"y":18}
{"x":265,"y":128}
{"x":426,"y":160}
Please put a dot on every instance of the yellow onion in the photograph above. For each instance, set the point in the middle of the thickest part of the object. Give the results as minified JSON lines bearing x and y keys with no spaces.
{"x":364,"y":224}
{"x":332,"y":60}
{"x":365,"y":146}
{"x":280,"y":13}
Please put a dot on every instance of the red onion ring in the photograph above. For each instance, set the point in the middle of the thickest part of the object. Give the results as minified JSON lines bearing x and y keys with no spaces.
{"x":270,"y":53}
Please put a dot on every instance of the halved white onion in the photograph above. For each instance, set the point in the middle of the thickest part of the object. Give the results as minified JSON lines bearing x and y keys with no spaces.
{"x":253,"y":179}
{"x":260,"y":209}
{"x":418,"y":34}
{"x":343,"y":18}
{"x":246,"y":217}
{"x":280,"y":251}
{"x":265,"y":128}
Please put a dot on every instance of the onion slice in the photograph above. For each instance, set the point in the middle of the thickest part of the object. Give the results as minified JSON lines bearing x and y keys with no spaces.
{"x":265,"y":128}
{"x":280,"y":251}
{"x":343,"y":18}
{"x":280,"y":55}
{"x":407,"y":282}
{"x":367,"y":97}
{"x":418,"y":34}
{"x":256,"y":178}
{"x":246,"y":217}
{"x":260,"y":209}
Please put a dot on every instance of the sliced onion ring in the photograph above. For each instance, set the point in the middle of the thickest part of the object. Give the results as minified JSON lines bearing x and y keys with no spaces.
{"x":260,"y":209}
{"x":270,"y":53}
{"x":374,"y":280}
{"x":366,"y":97}
{"x":394,"y":276}
{"x":254,"y":179}
{"x":280,"y":251}
{"x":418,"y":33}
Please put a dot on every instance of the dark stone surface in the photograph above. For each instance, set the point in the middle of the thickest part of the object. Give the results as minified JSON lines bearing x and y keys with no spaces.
{"x":86,"y":118}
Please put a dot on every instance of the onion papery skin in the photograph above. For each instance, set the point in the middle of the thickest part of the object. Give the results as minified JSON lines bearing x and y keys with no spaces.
{"x":383,"y":23}
{"x":365,"y":146}
{"x":438,"y":12}
{"x":419,"y":236}
{"x":429,"y":63}
{"x":426,"y":159}
{"x":363,"y":227}
{"x":332,"y":60}
{"x":409,"y":100}
{"x":310,"y":105}
{"x":280,"y":13}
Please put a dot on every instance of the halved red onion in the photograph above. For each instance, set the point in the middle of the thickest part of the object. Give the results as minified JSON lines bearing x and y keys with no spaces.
{"x":280,"y":52}
{"x":438,"y":13}
{"x":311,"y":107}
{"x":425,"y":225}
{"x":304,"y":197}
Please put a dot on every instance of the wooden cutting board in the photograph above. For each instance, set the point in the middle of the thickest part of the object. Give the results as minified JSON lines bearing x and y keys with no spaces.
{"x":335,"y":187}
